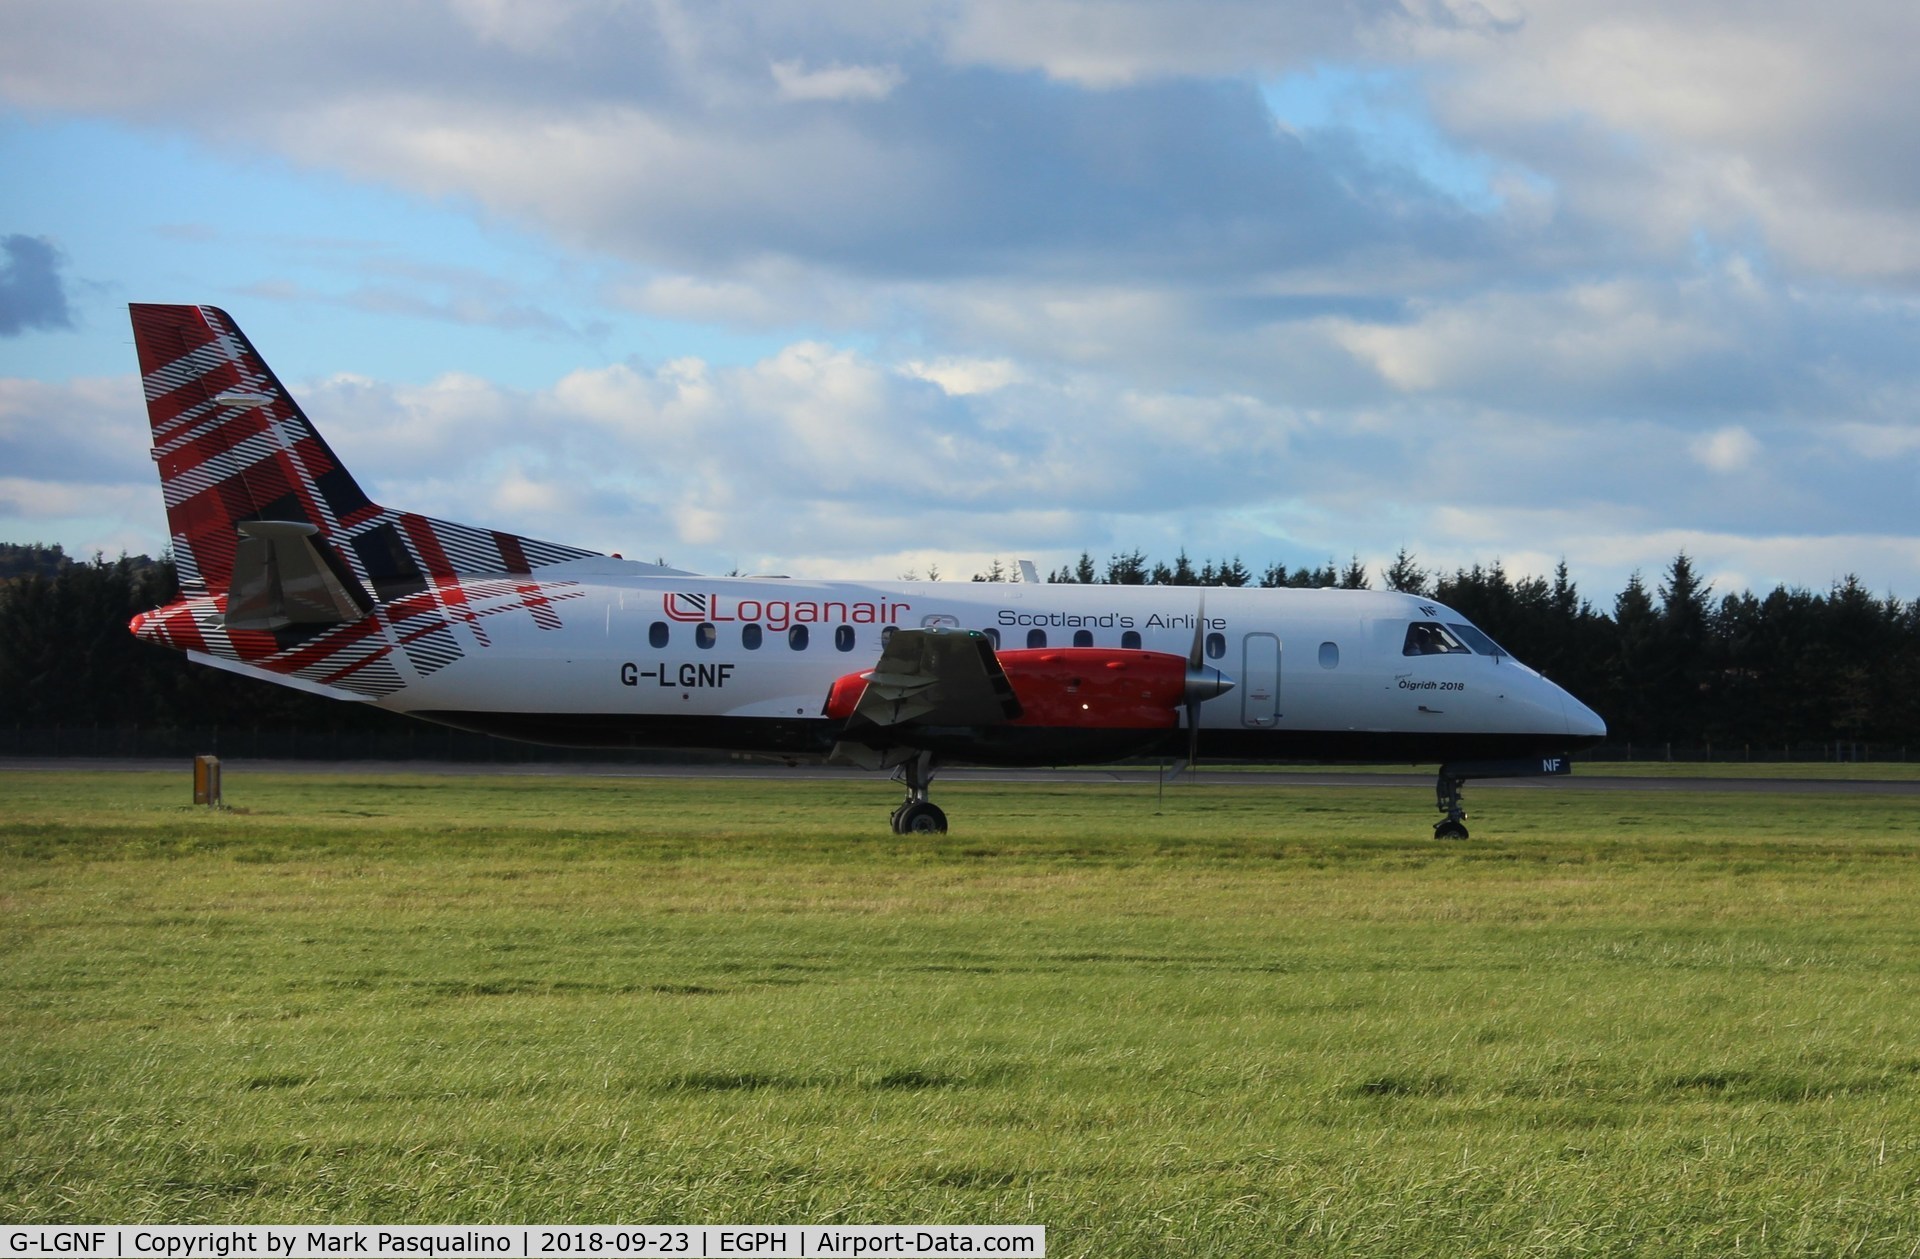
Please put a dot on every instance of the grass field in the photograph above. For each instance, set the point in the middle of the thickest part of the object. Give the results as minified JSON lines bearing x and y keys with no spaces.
{"x":1250,"y":1021}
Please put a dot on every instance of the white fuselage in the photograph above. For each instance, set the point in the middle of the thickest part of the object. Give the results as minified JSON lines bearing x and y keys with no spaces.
{"x":626,"y":657}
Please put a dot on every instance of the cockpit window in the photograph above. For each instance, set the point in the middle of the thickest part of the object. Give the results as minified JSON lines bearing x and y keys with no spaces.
{"x":1429,"y":638}
{"x":1477,"y":640}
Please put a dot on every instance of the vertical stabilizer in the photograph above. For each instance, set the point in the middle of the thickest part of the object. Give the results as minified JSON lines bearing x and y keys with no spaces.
{"x":286,"y":565}
{"x":231,"y":443}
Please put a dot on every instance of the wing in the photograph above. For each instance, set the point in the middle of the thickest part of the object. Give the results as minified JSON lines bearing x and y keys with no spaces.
{"x":937,"y":677}
{"x":925,"y":677}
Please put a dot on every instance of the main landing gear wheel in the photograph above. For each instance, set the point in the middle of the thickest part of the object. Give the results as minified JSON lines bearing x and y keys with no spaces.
{"x":919,"y":817}
{"x":1449,"y":830}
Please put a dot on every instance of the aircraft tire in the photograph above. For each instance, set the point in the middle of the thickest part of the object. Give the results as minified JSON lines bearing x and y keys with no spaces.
{"x":920,"y":818}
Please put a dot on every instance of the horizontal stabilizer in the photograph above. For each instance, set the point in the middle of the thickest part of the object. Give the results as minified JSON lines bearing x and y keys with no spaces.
{"x":292,"y":680}
{"x":283,"y":575}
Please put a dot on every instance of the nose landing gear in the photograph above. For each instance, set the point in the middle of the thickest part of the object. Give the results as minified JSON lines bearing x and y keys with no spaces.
{"x":1446,"y":789}
{"x":1446,"y":792}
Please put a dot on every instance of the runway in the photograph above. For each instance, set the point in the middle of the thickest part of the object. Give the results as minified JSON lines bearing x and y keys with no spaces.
{"x":1784,"y":784}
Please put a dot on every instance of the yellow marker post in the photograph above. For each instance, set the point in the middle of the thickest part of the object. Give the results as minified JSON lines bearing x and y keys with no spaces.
{"x":206,"y":781}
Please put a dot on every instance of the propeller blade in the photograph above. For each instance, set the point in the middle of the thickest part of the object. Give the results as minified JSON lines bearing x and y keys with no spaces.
{"x":1195,"y":662}
{"x":1204,"y":682}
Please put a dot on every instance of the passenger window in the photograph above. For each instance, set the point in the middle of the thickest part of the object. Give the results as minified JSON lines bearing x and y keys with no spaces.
{"x":1216,"y":646}
{"x":993,"y":636}
{"x":1130,"y":641}
{"x":705,"y":636}
{"x":843,"y":638}
{"x":1083,"y":638}
{"x":750,"y":636}
{"x":1036,"y":638}
{"x":886,"y":635}
{"x":657,"y":634}
{"x":1329,"y":655}
{"x":797,"y":638}
{"x":1427,"y":638}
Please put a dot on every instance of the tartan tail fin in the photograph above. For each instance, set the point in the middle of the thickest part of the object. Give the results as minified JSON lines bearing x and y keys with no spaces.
{"x":231,"y":444}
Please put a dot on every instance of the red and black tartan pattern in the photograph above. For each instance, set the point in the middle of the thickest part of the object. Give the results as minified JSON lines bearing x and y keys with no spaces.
{"x":232,"y":445}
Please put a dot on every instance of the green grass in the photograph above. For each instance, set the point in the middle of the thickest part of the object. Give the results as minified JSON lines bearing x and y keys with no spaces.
{"x":1250,"y":1021}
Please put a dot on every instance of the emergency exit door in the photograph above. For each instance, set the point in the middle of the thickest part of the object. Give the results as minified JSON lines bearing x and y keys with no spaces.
{"x":1260,"y":680}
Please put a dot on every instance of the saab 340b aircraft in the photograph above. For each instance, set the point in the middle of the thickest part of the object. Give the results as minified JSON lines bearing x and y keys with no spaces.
{"x":291,"y":574}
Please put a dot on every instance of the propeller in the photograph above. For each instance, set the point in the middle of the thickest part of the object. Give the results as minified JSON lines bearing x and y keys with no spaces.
{"x":1204,"y":682}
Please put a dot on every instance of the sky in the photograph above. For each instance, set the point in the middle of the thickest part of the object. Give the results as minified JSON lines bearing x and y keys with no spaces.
{"x":879,"y":287}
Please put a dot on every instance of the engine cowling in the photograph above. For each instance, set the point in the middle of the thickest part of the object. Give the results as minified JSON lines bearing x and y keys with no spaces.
{"x":1098,"y":688}
{"x":844,"y":696}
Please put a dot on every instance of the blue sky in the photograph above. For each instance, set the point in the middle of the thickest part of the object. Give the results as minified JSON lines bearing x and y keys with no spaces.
{"x":436,"y":284}
{"x":862,"y":288}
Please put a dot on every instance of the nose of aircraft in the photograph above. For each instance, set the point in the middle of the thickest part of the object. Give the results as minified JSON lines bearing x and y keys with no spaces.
{"x":1582,"y":722}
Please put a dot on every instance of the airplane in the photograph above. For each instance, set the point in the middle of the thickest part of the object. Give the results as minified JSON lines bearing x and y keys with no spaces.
{"x":290,"y":573}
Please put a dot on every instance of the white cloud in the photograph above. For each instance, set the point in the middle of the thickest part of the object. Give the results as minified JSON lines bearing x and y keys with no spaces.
{"x":1726,"y":450}
{"x":519,"y":495}
{"x":526,"y":28}
{"x":1666,"y":121}
{"x":1762,"y":562}
{"x":45,"y":500}
{"x":1879,"y":441}
{"x":822,"y":460}
{"x":1049,"y":266}
{"x":1105,"y":44}
{"x":735,"y":303}
{"x":1585,"y":337}
{"x":407,"y":429}
{"x":92,"y":429}
{"x":963,"y":376}
{"x":83,"y":518}
{"x":836,"y":82}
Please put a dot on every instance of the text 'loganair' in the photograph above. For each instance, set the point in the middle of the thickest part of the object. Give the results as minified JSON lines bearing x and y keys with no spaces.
{"x":778,"y":614}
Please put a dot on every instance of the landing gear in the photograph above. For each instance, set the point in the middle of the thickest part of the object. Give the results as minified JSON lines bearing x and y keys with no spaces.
{"x":918,"y":815}
{"x":1456,"y":773}
{"x":1446,"y":792}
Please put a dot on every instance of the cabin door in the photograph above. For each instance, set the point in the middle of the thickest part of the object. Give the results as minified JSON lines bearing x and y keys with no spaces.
{"x":1260,"y":680}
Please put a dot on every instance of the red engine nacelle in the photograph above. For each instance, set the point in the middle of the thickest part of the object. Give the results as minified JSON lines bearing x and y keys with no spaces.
{"x":1103,"y":688}
{"x":1106,"y":688}
{"x":845,"y":695}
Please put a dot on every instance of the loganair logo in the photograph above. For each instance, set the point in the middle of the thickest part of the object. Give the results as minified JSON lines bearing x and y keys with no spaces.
{"x":686,"y":607}
{"x":778,"y":614}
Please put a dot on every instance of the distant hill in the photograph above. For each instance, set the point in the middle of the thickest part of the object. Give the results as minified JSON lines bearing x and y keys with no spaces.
{"x":35,"y":559}
{"x":32,"y":560}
